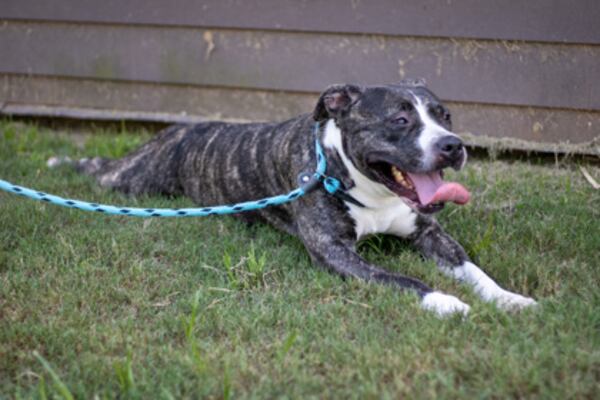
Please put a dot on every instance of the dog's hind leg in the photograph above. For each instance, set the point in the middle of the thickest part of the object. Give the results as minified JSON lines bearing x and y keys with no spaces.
{"x":87,"y":166}
{"x":452,"y":260}
{"x":152,"y":168}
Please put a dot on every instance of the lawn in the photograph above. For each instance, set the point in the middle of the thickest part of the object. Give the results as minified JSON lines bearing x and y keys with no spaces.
{"x":106,"y":306}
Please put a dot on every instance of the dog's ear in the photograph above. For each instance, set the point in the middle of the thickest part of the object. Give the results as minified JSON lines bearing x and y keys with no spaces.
{"x":336,"y":100}
{"x":414,"y":82}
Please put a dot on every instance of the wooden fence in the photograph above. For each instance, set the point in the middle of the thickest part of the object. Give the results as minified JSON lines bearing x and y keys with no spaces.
{"x":525,"y":73}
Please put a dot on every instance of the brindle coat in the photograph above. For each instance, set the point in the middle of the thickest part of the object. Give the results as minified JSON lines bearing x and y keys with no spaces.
{"x":217,"y":163}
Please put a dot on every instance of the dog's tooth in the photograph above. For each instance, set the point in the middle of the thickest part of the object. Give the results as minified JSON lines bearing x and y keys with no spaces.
{"x":402,"y":179}
{"x":406,"y":181}
{"x":397,"y":175}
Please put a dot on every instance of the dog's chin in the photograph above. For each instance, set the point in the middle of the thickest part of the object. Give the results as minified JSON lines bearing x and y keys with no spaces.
{"x":425,"y":192}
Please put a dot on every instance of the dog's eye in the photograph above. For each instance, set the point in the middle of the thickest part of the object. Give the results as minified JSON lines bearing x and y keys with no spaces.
{"x":442,"y":113}
{"x":401,"y":121}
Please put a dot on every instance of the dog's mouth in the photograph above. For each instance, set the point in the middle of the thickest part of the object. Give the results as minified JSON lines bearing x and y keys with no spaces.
{"x":425,"y":192}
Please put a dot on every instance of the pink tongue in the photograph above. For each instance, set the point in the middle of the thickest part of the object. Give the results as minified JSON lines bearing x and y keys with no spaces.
{"x":432,"y":189}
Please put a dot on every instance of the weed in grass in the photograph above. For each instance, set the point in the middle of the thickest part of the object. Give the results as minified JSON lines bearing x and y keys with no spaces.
{"x":189,"y":330}
{"x":484,"y":242}
{"x":373,"y":243}
{"x":248,"y":273}
{"x":230,"y":269}
{"x":256,"y":267}
{"x":167,"y":395}
{"x":62,"y":389}
{"x":42,"y":388}
{"x":227,"y":390}
{"x":124,"y":373}
{"x":287,"y":344}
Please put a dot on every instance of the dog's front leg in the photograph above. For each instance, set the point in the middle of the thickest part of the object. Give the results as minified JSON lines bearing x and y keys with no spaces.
{"x":330,"y":242}
{"x":452,"y":260}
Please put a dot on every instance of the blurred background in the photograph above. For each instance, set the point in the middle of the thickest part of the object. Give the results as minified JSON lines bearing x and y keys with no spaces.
{"x":523,"y":74}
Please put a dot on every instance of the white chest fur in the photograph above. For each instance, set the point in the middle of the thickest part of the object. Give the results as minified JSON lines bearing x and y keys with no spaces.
{"x":384,"y":212}
{"x":394,"y":218}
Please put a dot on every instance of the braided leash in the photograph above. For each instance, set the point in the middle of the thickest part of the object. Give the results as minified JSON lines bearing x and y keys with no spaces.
{"x":307,"y":183}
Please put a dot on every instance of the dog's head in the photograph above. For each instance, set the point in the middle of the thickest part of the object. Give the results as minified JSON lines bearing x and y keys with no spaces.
{"x":398,"y":136}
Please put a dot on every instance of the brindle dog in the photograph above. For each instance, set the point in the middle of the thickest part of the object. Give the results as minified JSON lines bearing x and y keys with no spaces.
{"x":386,"y":144}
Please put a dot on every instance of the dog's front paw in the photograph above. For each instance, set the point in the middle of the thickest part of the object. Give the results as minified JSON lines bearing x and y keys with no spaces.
{"x":443,"y":304}
{"x":513,"y":302}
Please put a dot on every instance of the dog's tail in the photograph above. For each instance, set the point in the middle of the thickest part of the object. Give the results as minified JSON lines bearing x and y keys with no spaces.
{"x":88,"y":166}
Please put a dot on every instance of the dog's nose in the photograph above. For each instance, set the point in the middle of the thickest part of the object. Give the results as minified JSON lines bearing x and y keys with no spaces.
{"x":450,"y":147}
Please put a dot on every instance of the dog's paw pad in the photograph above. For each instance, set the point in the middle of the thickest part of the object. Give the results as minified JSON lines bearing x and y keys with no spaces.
{"x":444,"y":305}
{"x":514,"y":302}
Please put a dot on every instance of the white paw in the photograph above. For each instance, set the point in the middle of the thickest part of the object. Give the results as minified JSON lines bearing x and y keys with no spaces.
{"x":54,"y":162}
{"x":443,"y":304}
{"x":513,"y":302}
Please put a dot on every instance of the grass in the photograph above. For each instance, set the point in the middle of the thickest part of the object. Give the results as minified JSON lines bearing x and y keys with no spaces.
{"x":93,"y":305}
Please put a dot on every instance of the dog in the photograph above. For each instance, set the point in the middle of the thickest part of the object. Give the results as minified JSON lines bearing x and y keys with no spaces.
{"x":387,"y":145}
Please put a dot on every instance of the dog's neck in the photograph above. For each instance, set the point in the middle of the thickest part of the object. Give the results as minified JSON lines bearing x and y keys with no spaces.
{"x":370,"y":193}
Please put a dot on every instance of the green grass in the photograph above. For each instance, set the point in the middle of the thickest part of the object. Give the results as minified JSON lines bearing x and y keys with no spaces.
{"x":93,"y":305}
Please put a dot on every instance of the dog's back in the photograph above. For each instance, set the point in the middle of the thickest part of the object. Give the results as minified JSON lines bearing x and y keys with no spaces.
{"x":212,"y":162}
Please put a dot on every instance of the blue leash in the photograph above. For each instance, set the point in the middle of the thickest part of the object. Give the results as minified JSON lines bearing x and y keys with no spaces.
{"x":307,"y":184}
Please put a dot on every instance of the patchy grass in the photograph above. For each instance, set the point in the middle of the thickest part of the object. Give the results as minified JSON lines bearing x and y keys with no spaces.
{"x":93,"y":305}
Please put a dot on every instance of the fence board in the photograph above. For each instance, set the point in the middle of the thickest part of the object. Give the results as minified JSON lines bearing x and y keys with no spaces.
{"x":543,"y":129}
{"x":530,"y":74}
{"x":530,"y":20}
